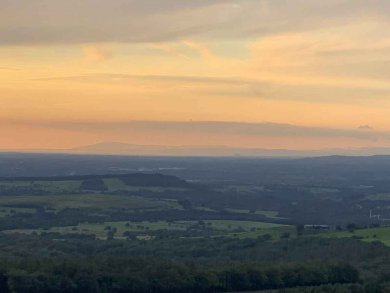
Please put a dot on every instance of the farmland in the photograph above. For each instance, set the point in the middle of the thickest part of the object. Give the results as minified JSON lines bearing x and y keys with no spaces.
{"x":57,"y":203}
{"x":228,"y":228}
{"x":110,"y":207}
{"x":240,"y":229}
{"x":379,"y":234}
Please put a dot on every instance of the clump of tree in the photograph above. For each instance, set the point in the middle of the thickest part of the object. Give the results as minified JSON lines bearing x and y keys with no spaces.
{"x":124,"y":274}
{"x":140,"y":179}
{"x":93,"y":184}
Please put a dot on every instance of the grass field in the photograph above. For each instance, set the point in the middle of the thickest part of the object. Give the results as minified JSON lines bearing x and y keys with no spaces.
{"x":247,"y":229}
{"x":100,"y":229}
{"x":275,"y":233}
{"x":246,"y":225}
{"x":268,"y":214}
{"x":8,"y":211}
{"x":102,"y":201}
{"x":67,"y":186}
{"x":73,"y":186}
{"x":115,"y":184}
{"x":60,"y":195}
{"x":381,"y":234}
{"x":380,"y":196}
{"x":241,"y":188}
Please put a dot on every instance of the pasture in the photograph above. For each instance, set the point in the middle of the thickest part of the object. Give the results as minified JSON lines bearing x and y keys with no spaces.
{"x":240,"y":229}
{"x":88,"y":200}
{"x":381,"y":234}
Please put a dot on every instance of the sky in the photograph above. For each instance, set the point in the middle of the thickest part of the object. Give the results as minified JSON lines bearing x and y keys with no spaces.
{"x":293,"y":74}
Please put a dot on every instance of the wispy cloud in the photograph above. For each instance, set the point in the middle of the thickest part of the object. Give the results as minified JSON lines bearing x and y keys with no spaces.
{"x":9,"y":68}
{"x":211,"y":128}
{"x":365,"y":127}
{"x":163,"y":78}
{"x":58,"y":21}
{"x":246,"y":87}
{"x":96,"y":53}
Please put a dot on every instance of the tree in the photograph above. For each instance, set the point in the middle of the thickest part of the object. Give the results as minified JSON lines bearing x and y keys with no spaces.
{"x":3,"y":283}
{"x":300,"y":229}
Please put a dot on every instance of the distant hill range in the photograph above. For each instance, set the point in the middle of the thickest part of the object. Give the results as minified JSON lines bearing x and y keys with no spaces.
{"x":124,"y":149}
{"x":155,"y":150}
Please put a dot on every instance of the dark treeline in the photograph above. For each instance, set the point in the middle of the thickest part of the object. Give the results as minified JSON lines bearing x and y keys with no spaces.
{"x":136,"y":179}
{"x":334,"y":288}
{"x":74,"y":216}
{"x":38,"y":263}
{"x":93,"y":184}
{"x":123,"y":274}
{"x":219,"y":248}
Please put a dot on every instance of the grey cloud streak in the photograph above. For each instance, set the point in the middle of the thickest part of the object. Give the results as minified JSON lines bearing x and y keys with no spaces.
{"x":24,"y":22}
{"x":241,"y":87}
{"x":162,"y":78}
{"x":217,"y":128}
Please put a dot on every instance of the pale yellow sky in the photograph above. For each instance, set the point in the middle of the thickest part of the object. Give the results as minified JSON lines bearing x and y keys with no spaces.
{"x":69,"y":79}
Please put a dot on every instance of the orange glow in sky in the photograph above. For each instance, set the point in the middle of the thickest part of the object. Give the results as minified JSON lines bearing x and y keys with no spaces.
{"x":68,"y":80}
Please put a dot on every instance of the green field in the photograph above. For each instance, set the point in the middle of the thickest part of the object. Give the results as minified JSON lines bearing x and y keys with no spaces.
{"x":268,"y":214}
{"x":206,"y":209}
{"x":9,"y":211}
{"x":380,"y":196}
{"x":98,"y":201}
{"x":41,"y":196}
{"x":73,"y":186}
{"x":246,"y":225}
{"x":66,"y":186}
{"x":100,"y":229}
{"x":241,"y":188}
{"x":115,"y":184}
{"x":275,"y":233}
{"x":381,"y":234}
{"x":241,"y":229}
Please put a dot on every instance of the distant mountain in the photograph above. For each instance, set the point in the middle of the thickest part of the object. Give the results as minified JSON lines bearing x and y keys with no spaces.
{"x":118,"y":148}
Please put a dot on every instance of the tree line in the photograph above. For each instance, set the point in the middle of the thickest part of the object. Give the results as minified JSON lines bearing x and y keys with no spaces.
{"x":149,"y":275}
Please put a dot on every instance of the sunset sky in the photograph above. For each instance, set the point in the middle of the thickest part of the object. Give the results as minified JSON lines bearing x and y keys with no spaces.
{"x":294,"y":74}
